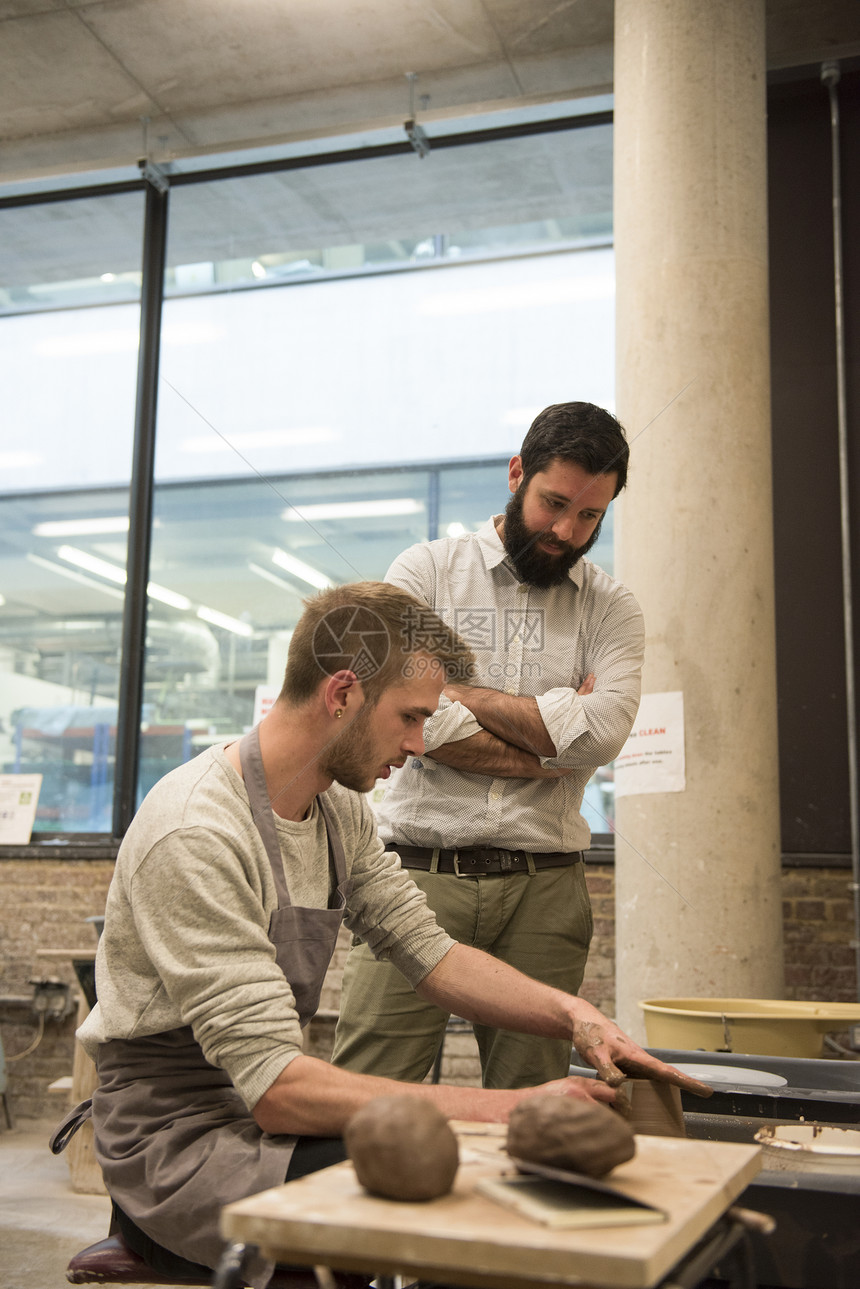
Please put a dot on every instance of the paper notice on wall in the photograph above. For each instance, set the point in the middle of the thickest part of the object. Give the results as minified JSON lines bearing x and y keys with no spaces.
{"x":19,"y":796}
{"x":264,"y":700}
{"x":652,"y":759}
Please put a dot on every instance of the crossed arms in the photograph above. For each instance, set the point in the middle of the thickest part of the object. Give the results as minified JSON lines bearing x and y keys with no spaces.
{"x":513,"y":739}
{"x":484,"y":730}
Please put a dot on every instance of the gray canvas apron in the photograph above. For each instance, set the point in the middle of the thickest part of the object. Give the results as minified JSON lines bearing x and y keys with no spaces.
{"x":173,"y":1137}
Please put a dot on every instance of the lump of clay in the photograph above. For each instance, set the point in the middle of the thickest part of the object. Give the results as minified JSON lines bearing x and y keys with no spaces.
{"x":561,"y":1132}
{"x":402,"y":1148}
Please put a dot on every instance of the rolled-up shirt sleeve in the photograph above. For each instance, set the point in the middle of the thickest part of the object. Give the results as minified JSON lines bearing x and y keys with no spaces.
{"x":592,"y":729}
{"x":450,"y":723}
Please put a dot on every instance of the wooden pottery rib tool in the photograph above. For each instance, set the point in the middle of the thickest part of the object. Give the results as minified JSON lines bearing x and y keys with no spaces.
{"x":654,"y":1108}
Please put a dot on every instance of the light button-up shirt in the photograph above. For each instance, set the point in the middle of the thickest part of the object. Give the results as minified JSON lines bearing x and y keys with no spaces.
{"x":540,"y":642}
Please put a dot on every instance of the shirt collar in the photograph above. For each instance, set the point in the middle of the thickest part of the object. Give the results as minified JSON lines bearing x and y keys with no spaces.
{"x":494,"y":553}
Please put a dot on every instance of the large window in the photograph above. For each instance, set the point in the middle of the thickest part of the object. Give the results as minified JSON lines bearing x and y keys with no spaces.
{"x":349,"y":355}
{"x":68,"y":381}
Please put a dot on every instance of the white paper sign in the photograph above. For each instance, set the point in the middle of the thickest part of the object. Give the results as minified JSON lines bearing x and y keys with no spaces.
{"x":19,"y":796}
{"x":264,"y":699}
{"x":652,"y":759}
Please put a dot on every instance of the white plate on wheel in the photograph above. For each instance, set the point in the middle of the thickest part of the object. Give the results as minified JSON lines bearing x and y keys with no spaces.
{"x":734,"y":1074}
{"x":807,"y":1147}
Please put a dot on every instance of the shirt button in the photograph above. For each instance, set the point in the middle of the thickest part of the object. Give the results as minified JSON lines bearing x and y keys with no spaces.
{"x":494,"y":796}
{"x":510,"y":690}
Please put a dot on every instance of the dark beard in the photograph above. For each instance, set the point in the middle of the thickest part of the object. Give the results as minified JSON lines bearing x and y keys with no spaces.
{"x":532,"y":565}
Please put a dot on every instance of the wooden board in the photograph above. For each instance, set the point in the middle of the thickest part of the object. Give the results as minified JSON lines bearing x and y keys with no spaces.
{"x":465,"y":1238}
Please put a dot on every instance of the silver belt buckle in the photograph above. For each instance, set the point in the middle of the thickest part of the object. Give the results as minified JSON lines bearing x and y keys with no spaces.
{"x":483,"y":851}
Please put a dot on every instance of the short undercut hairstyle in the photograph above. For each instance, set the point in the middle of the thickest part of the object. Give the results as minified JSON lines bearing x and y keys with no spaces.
{"x":582,"y":434}
{"x":374,"y":630}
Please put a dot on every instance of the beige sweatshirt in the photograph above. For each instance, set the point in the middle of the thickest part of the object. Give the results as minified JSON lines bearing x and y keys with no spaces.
{"x":186,"y":941}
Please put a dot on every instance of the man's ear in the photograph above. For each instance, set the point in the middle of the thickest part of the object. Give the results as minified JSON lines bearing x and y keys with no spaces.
{"x":343,"y":695}
{"x":515,"y":473}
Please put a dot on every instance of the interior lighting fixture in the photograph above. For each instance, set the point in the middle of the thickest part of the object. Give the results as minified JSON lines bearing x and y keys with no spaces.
{"x":456,"y":529}
{"x":225,"y":621}
{"x":108,"y":277}
{"x":82,"y":527}
{"x":171,"y":598}
{"x":258,"y":269}
{"x":114,"y":573}
{"x":273,"y":578}
{"x":2,"y":599}
{"x":92,"y":564}
{"x":354,"y":509}
{"x":298,"y":568}
{"x":80,"y":578}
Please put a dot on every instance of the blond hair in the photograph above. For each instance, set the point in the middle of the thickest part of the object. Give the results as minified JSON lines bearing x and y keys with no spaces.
{"x":374,"y":630}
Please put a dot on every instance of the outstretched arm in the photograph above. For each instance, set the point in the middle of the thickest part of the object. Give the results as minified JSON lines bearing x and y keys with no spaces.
{"x":312,"y":1097}
{"x":481,"y":988}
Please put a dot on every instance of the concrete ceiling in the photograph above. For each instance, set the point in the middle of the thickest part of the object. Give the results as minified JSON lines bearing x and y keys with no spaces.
{"x":87,"y":85}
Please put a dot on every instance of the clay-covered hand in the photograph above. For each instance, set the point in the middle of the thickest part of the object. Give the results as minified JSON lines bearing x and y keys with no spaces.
{"x":581,"y":1089}
{"x":608,"y":1049}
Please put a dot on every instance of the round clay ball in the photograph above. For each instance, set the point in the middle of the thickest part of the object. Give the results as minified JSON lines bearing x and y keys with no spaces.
{"x":402,"y":1148}
{"x":563,"y":1132}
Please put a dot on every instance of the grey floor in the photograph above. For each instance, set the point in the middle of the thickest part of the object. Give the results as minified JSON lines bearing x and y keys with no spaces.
{"x":42,"y":1221}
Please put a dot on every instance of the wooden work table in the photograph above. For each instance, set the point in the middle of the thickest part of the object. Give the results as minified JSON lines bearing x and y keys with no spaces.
{"x":464,"y":1238}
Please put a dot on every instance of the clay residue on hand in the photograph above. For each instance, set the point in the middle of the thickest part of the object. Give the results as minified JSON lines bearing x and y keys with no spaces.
{"x":589,"y":1042}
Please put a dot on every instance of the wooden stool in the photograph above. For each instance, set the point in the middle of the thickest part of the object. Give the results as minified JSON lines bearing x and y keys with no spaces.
{"x":112,"y":1262}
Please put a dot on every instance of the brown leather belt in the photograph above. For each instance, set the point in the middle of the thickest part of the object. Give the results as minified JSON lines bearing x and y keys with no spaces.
{"x":482,"y":861}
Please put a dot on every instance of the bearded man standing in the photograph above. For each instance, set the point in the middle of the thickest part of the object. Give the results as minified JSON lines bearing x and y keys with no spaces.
{"x":488,"y":820}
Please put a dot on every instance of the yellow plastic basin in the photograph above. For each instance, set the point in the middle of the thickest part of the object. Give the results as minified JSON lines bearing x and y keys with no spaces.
{"x":755,"y":1026}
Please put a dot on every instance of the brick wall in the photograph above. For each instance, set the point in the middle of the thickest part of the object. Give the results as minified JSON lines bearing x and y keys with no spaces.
{"x":45,"y":903}
{"x":818,"y":925}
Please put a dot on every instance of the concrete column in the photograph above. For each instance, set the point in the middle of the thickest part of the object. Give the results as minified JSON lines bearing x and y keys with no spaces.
{"x":698,"y":871}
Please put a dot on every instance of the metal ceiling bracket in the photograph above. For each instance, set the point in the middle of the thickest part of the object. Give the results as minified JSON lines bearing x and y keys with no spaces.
{"x":417,"y":137}
{"x":154,"y":175}
{"x":414,"y":133}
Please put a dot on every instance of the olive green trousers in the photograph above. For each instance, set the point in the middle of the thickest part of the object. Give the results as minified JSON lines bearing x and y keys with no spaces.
{"x":540,"y":923}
